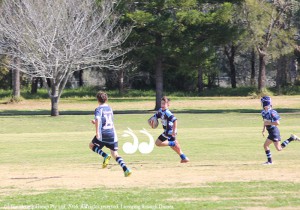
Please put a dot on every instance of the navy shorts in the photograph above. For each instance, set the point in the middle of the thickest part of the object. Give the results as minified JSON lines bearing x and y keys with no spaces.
{"x":164,"y":137}
{"x":274,"y":134}
{"x":112,"y":146}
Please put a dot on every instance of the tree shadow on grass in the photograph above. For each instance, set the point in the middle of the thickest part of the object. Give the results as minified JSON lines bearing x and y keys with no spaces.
{"x":73,"y":112}
{"x":187,"y":111}
{"x":220,"y":111}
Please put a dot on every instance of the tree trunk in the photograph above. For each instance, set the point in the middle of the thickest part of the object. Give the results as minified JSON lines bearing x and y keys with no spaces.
{"x":231,"y":56}
{"x":158,"y":82}
{"x":41,"y":82}
{"x":232,"y":73}
{"x":200,"y":80}
{"x":16,"y":80}
{"x":34,"y":85}
{"x":211,"y":81}
{"x":278,"y":78}
{"x":121,"y":81}
{"x":158,"y":72}
{"x":262,"y":72}
{"x":54,"y":101}
{"x":293,"y":70}
{"x":80,"y":73}
{"x":281,"y":74}
{"x":49,"y":82}
{"x":252,"y":79}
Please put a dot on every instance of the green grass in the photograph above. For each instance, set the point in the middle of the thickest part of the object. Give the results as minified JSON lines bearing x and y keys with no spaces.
{"x":233,"y":195}
{"x":227,"y":143}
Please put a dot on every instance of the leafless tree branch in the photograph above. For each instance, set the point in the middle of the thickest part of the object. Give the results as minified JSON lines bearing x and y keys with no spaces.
{"x":52,"y":38}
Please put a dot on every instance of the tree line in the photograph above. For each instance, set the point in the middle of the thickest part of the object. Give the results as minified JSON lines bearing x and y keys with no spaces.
{"x":162,"y":44}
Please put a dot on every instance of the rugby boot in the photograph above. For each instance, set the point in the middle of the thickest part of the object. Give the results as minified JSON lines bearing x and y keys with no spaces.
{"x":106,"y":161}
{"x":127,"y":173}
{"x":294,"y":137}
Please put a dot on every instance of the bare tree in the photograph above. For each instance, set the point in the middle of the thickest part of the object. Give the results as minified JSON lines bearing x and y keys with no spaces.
{"x":53,"y":39}
{"x":16,"y":82}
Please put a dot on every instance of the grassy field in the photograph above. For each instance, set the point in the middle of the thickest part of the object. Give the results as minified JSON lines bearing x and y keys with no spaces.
{"x":45,"y":162}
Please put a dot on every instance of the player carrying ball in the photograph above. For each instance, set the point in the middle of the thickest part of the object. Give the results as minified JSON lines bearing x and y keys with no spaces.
{"x":106,"y":134}
{"x":271,"y":121}
{"x":169,"y":123}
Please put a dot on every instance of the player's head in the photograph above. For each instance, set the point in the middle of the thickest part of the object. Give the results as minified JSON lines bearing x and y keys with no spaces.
{"x":102,"y":97}
{"x":266,"y":101}
{"x":164,"y":102}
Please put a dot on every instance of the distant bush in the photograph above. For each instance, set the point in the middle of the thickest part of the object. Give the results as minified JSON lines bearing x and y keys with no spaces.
{"x":289,"y":90}
{"x":14,"y":99}
{"x":241,"y":91}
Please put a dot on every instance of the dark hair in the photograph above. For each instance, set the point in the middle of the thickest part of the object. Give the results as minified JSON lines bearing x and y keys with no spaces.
{"x":102,"y":97}
{"x":165,"y":99}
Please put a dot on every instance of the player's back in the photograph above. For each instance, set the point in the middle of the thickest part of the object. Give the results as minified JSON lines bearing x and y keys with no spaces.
{"x":106,"y":125}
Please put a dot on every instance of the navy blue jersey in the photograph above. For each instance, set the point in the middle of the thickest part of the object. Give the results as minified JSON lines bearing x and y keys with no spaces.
{"x":104,"y":115}
{"x":167,"y":120}
{"x":270,"y":115}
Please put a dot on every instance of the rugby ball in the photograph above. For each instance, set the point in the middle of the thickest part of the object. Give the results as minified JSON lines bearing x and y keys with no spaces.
{"x":153,"y":122}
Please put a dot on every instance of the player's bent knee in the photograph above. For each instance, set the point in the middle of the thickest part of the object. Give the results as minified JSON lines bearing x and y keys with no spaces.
{"x":158,"y":143}
{"x":91,"y":145}
{"x":266,"y":146}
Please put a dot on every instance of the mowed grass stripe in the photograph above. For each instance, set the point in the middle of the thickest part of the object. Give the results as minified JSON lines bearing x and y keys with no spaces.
{"x":219,"y":195}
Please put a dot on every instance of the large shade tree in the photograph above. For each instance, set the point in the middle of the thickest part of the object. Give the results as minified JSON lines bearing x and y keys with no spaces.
{"x":267,"y":26}
{"x":154,"y":24}
{"x":53,"y":39}
{"x":167,"y":34}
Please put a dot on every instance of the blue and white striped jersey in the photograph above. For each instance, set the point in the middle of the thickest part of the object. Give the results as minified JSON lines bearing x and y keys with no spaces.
{"x":104,"y":115}
{"x":270,"y":115}
{"x":167,"y":120}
